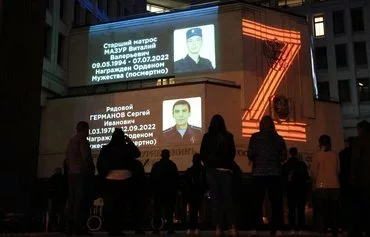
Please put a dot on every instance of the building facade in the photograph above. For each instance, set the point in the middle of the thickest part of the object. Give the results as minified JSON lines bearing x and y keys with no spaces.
{"x":61,"y":17}
{"x":341,"y":40}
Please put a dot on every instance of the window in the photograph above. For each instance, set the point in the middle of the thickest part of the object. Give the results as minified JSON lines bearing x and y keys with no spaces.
{"x":357,"y":17}
{"x":359,"y":49}
{"x":155,"y":8}
{"x":293,"y":3}
{"x":344,"y":91}
{"x":88,"y":17}
{"x":319,"y":26}
{"x":324,"y":90}
{"x":321,"y":58}
{"x":60,"y":49}
{"x":47,"y":41}
{"x":119,"y":8}
{"x":77,"y":15}
{"x":338,"y":22}
{"x":61,"y":9}
{"x":108,"y":8}
{"x":341,"y":55}
{"x":101,"y":5}
{"x":363,"y":89}
{"x":48,"y":4}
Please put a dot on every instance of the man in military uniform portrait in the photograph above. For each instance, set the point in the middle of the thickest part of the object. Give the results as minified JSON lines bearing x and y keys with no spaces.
{"x":182,"y":132}
{"x":193,"y":62}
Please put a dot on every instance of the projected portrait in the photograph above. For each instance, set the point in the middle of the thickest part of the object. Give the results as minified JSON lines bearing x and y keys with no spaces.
{"x":194,"y":49}
{"x":182,"y":120}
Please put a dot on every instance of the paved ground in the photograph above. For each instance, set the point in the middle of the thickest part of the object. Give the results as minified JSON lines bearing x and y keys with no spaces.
{"x":178,"y":234}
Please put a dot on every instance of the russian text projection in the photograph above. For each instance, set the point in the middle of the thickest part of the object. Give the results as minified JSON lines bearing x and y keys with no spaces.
{"x":153,"y":47}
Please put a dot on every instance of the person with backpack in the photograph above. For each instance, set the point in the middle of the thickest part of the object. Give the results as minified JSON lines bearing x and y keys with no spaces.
{"x":195,"y":178}
{"x":295,"y":176}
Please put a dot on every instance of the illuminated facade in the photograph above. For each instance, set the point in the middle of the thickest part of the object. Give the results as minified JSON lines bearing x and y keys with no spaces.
{"x":291,"y":41}
{"x":341,"y":39}
{"x":341,"y":34}
{"x":113,"y":66}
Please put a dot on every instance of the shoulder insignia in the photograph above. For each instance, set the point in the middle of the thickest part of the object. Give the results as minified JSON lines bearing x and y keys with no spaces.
{"x":168,"y":130}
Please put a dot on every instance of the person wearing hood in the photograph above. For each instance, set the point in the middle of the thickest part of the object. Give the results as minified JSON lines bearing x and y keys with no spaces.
{"x":115,"y":165}
{"x":267,"y":151}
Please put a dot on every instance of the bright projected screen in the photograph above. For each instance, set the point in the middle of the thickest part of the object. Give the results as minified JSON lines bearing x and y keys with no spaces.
{"x":162,"y":119}
{"x":178,"y":121}
{"x":171,"y":44}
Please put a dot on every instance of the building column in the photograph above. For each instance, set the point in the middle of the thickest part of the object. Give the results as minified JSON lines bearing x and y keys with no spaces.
{"x":22,"y":52}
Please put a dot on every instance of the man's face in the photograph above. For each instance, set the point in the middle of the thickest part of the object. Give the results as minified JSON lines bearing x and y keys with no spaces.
{"x":181,"y":114}
{"x":194,"y":44}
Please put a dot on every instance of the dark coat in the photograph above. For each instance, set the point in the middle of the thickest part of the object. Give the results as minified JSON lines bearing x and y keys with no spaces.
{"x":295,"y":174}
{"x":164,"y":176}
{"x":187,"y":64}
{"x":218,"y":150}
{"x":114,"y":157}
{"x":268,"y":151}
{"x":196,"y":181}
{"x":192,"y":135}
{"x":345,"y":167}
{"x":360,"y":162}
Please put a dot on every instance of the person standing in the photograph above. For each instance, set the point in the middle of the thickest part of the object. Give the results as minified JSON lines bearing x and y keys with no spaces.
{"x":295,"y":176}
{"x":81,"y":170}
{"x":324,"y":172}
{"x":164,"y":178}
{"x":115,"y":165}
{"x":344,"y":182}
{"x":139,"y":197}
{"x":195,"y":178}
{"x":58,"y":188}
{"x":217,"y":152}
{"x":360,"y":181}
{"x":267,"y":151}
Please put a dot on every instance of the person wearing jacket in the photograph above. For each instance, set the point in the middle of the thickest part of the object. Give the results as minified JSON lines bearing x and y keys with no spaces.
{"x":267,"y":151}
{"x":81,"y":169}
{"x":164,"y":178}
{"x":115,"y":164}
{"x":195,"y":178}
{"x":360,"y":181}
{"x":217,"y":152}
{"x":295,"y":176}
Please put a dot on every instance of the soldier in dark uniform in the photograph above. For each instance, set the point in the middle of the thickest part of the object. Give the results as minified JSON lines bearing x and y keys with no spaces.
{"x":193,"y":62}
{"x":182,"y":132}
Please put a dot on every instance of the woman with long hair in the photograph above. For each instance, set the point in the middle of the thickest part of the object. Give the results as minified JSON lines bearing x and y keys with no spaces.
{"x":115,"y":165}
{"x":217,"y":152}
{"x":324,"y":172}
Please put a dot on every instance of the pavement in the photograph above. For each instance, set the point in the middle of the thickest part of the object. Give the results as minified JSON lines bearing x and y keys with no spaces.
{"x":177,"y":234}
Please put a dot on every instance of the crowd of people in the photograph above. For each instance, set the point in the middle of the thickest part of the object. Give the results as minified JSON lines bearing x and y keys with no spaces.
{"x":340,"y":183}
